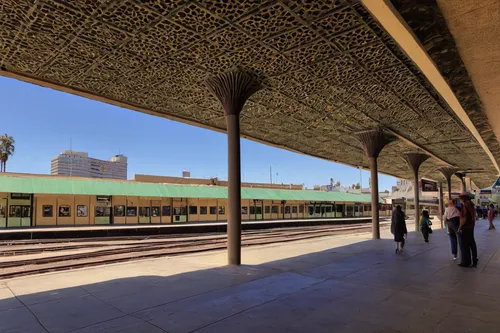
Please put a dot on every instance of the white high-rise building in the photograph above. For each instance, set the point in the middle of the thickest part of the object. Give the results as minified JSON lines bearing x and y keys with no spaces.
{"x":79,"y":164}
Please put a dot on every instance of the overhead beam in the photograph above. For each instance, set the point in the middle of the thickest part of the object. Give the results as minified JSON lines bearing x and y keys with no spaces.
{"x":416,"y":145}
{"x":394,"y":24}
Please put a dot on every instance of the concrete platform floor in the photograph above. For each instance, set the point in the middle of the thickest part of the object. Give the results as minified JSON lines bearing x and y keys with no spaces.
{"x":331,"y":284}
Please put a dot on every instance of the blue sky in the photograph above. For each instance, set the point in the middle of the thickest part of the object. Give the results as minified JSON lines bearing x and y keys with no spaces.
{"x":43,"y":121}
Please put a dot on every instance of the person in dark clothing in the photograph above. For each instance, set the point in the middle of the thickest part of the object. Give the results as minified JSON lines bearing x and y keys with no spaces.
{"x":425,"y":224}
{"x":466,"y":232}
{"x":398,"y":228}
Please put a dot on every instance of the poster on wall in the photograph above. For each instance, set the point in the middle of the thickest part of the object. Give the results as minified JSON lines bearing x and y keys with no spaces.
{"x":47,"y":211}
{"x":82,"y":210}
{"x":64,"y":211}
{"x":429,"y":186}
{"x":119,"y":211}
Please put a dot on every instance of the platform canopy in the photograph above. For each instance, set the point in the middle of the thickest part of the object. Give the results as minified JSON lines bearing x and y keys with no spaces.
{"x":329,"y":68}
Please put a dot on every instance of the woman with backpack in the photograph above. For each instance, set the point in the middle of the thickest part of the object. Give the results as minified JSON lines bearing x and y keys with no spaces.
{"x":425,"y":225}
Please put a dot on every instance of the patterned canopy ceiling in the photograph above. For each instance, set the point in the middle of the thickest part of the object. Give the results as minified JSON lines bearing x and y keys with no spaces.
{"x":327,"y":67}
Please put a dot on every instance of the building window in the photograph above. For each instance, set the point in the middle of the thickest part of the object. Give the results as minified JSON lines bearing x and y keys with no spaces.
{"x":287,"y":209}
{"x":193,"y":210}
{"x":274,"y":209}
{"x":203,"y":210}
{"x":131,"y":211}
{"x":165,"y":211}
{"x":213,"y":210}
{"x":102,"y":211}
{"x":82,"y":210}
{"x":258,"y":210}
{"x":294,"y":209}
{"x":328,"y":209}
{"x":310,"y":210}
{"x":155,"y":211}
{"x":15,"y":211}
{"x":118,"y":211}
{"x":26,"y":211}
{"x":144,"y":211}
{"x":64,"y":211}
{"x":47,"y":211}
{"x":244,"y":210}
{"x":222,"y":210}
{"x":179,"y":210}
{"x":267,"y":209}
{"x":252,"y":210}
{"x":317,"y":209}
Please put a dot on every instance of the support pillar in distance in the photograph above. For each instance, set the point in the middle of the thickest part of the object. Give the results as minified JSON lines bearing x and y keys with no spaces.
{"x":414,"y":161}
{"x":461,"y":176}
{"x":373,"y":141}
{"x":447,"y":172}
{"x":441,"y":204}
{"x":232,"y":89}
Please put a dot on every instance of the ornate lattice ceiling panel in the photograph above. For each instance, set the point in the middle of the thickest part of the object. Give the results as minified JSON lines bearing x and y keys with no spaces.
{"x":327,"y":67}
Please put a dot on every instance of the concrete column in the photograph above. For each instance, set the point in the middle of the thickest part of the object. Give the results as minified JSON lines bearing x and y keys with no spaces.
{"x":233,"y":89}
{"x":373,"y":141}
{"x":461,"y":176}
{"x":414,"y":161}
{"x":441,"y":204}
{"x":447,"y":173}
{"x":375,"y":202}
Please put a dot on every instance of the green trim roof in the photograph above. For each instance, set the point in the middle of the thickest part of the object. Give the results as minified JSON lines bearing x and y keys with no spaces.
{"x":82,"y":186}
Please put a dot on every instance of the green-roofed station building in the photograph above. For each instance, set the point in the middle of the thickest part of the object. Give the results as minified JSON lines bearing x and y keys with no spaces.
{"x":41,"y":201}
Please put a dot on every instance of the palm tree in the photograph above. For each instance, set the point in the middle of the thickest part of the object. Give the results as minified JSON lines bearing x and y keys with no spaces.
{"x":7,"y":149}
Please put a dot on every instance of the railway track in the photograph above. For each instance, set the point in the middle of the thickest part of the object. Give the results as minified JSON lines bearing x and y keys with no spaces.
{"x":22,"y":258}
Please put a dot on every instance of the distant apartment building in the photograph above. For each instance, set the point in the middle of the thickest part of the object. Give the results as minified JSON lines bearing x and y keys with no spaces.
{"x":79,"y":164}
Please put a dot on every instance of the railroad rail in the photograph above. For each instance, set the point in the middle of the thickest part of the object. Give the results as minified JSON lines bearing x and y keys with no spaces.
{"x":28,"y":257}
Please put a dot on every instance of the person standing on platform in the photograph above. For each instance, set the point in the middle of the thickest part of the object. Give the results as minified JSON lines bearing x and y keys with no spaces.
{"x":398,"y":228}
{"x":452,"y":219}
{"x":491,"y":216}
{"x":425,"y":225}
{"x":479,"y":211}
{"x":466,"y":231}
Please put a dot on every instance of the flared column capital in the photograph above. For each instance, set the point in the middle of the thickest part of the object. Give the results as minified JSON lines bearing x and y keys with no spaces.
{"x":448,"y":171}
{"x":415,"y":160}
{"x":232,"y":89}
{"x":373,"y":141}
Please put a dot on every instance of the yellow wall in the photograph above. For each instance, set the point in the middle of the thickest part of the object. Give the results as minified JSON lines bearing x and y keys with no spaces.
{"x":45,"y":200}
{"x":65,"y":200}
{"x":144,"y":202}
{"x":207,"y":203}
{"x":155,"y":202}
{"x":193,"y":217}
{"x":56,"y":201}
{"x":166,"y":202}
{"x":82,"y":200}
{"x":132,"y":202}
{"x":245,"y":203}
{"x":222,"y":203}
